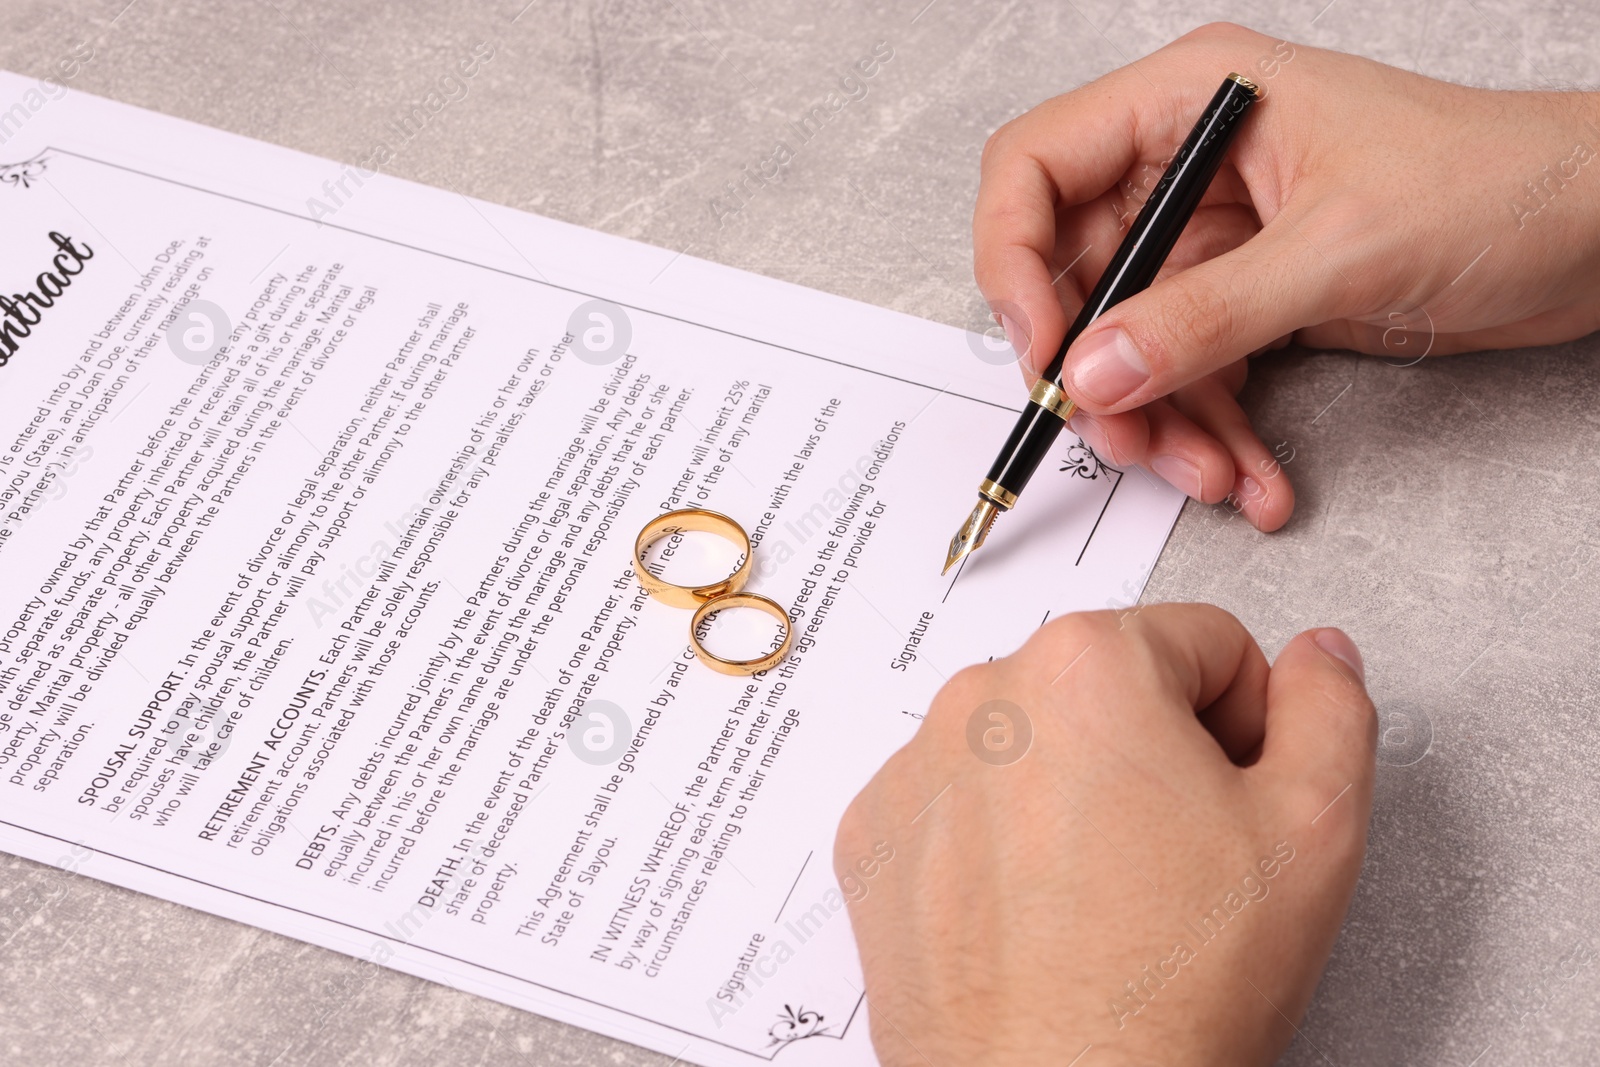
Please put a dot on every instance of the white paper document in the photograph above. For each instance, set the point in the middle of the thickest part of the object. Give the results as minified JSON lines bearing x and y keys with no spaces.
{"x":318,"y":493}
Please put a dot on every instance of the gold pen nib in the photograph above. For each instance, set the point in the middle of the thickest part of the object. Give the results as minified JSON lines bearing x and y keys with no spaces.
{"x":972,"y":532}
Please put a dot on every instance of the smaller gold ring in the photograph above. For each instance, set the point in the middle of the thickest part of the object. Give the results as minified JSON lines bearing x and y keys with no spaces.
{"x":1048,"y":395}
{"x":685,"y":520}
{"x":740,"y":666}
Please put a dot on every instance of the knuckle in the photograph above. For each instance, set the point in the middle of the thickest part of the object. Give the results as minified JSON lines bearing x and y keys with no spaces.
{"x":970,"y":679}
{"x":1346,"y":708}
{"x":1233,"y":376}
{"x":969,"y":687}
{"x":1072,"y":632}
{"x":1002,"y":235}
{"x":1013,"y":218}
{"x":1066,"y":643}
{"x":851,"y":832}
{"x":966,"y":685}
{"x":1365,"y":716}
{"x":1219,"y":31}
{"x":1341,"y":827}
{"x":1196,"y":318}
{"x":996,"y":144}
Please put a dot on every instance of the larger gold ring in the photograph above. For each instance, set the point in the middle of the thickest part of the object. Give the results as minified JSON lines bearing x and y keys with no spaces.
{"x":740,"y":666}
{"x":686,"y":520}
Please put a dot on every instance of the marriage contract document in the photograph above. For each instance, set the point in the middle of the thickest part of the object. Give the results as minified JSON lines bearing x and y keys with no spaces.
{"x":318,"y":492}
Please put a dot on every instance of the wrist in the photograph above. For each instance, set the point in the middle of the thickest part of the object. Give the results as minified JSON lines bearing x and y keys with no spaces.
{"x":1587,"y":111}
{"x":1558,"y":202}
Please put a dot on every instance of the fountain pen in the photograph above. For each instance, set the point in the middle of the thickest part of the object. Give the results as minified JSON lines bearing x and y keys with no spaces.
{"x":1134,"y":266}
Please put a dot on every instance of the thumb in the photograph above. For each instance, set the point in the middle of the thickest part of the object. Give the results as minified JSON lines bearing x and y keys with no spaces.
{"x":1321,"y":735}
{"x":1200,"y":320}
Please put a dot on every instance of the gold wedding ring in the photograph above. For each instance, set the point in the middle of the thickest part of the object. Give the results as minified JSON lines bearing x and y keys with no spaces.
{"x":708,"y":599}
{"x":687,"y":520}
{"x":740,"y":666}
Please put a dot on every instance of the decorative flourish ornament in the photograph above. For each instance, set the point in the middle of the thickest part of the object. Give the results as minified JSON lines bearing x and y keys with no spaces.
{"x":1081,"y":462}
{"x":796,"y":1024}
{"x":24,"y":173}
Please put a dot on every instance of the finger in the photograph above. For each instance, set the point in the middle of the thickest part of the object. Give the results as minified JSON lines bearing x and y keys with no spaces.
{"x":1200,"y":320}
{"x":1260,"y":489}
{"x":1120,"y":129}
{"x":1186,"y":456}
{"x":1321,"y":730}
{"x":1213,"y":231}
{"x":1013,"y":236}
{"x":1238,"y":718}
{"x":1204,"y":655}
{"x":1163,"y":441}
{"x":1088,"y":235}
{"x":1069,"y":298}
{"x":1028,"y":170}
{"x":1120,"y":440}
{"x":1233,"y":376}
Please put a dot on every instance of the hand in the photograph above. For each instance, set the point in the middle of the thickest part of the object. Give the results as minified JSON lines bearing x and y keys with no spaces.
{"x":1160,"y":873}
{"x":1364,"y":208}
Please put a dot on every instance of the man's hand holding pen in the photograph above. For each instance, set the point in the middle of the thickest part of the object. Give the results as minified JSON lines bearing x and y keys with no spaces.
{"x":1361,"y":207}
{"x":1086,"y":904}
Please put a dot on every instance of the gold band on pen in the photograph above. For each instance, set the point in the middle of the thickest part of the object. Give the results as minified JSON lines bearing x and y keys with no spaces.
{"x":687,"y":520}
{"x":998,"y":493}
{"x":740,"y":666}
{"x":1246,"y":83}
{"x":1048,"y":395}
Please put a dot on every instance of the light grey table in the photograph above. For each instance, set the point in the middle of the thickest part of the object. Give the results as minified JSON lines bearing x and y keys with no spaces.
{"x":1446,"y":511}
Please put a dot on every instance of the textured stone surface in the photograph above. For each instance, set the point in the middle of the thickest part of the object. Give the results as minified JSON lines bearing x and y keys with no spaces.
{"x":1459,"y":550}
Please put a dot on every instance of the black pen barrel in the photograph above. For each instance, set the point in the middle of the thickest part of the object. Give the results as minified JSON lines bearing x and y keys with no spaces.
{"x":1036,"y":430}
{"x":1167,"y":210}
{"x":1138,"y":259}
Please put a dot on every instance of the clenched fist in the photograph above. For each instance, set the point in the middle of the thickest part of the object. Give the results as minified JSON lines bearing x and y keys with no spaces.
{"x":1132,"y":840}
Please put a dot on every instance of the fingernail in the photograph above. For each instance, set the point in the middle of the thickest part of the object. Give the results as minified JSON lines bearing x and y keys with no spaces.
{"x":1180,"y":472}
{"x":1107,"y":369}
{"x":1337,"y":644}
{"x":1084,"y":427}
